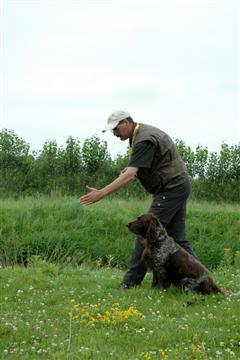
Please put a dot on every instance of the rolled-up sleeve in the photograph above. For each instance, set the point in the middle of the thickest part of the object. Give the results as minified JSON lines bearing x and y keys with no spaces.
{"x":142,"y":155}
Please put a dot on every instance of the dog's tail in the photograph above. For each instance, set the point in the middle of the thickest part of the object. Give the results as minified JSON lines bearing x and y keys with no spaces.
{"x":216,"y":289}
{"x":224,"y":291}
{"x":229,"y":292}
{"x":204,"y":284}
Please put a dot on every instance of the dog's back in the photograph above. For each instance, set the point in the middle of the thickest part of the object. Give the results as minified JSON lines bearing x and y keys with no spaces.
{"x":181,"y":268}
{"x":181,"y":264}
{"x":185,"y":271}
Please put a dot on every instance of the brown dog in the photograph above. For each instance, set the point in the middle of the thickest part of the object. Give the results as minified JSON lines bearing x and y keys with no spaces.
{"x":171,"y":264}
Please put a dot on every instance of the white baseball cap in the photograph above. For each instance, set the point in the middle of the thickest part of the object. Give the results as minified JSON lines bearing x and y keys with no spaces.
{"x":115,"y":118}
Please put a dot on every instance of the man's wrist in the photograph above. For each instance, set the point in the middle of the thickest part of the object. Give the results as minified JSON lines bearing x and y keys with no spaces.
{"x":103,"y":192}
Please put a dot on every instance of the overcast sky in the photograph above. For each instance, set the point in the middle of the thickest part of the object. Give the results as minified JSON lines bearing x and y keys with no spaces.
{"x":66,"y":65}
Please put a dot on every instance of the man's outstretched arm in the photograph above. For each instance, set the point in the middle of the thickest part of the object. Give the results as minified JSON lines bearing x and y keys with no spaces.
{"x":95,"y":195}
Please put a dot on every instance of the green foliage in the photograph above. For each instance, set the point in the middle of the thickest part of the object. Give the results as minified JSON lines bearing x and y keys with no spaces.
{"x":216,"y":191}
{"x":214,"y":177}
{"x":72,"y":157}
{"x":15,"y":162}
{"x":49,"y":158}
{"x":200,"y":162}
{"x":94,"y":153}
{"x":12,"y":148}
{"x":67,"y":170}
{"x":187,"y":155}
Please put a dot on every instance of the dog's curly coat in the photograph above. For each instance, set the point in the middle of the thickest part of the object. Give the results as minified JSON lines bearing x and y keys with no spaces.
{"x":171,"y":264}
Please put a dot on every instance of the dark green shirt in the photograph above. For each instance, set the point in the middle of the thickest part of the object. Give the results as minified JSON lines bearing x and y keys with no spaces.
{"x":142,"y":155}
{"x":167,"y":168}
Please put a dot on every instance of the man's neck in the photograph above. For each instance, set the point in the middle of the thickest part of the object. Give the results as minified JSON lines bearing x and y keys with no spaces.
{"x":132,"y":132}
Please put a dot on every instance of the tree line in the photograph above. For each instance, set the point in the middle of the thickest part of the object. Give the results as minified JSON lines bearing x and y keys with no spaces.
{"x":66,"y":170}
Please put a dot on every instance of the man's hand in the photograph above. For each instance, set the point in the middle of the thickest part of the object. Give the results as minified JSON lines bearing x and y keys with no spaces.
{"x":93,"y":196}
{"x":123,"y":171}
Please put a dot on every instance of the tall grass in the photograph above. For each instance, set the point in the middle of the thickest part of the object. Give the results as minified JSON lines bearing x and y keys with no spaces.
{"x":60,"y":229}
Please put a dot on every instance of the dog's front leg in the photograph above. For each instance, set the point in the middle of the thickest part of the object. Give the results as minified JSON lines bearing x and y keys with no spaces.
{"x":160,"y":280}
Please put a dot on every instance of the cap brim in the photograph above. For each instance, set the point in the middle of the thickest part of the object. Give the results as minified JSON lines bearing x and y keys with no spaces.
{"x":106,"y":130}
{"x":109,"y":127}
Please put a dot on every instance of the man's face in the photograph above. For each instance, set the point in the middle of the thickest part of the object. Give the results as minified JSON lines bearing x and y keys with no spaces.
{"x":122,"y":130}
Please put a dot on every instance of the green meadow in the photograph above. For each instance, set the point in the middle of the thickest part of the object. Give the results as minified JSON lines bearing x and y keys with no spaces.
{"x":60,"y":267}
{"x":64,"y":231}
{"x":49,"y":312}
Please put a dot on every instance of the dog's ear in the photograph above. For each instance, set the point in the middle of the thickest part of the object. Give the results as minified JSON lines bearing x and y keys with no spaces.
{"x":151,"y":232}
{"x":154,"y":219}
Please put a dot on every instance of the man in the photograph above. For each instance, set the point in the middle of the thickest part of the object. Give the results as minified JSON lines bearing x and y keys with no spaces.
{"x":155,"y":162}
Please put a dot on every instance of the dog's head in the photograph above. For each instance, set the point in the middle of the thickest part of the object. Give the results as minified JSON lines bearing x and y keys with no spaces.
{"x":143,"y":224}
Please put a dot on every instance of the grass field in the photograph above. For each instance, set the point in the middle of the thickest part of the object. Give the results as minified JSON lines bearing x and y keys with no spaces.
{"x":51,"y":312}
{"x":69,"y":307}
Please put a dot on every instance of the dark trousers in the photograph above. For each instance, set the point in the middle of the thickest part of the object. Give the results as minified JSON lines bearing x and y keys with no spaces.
{"x":170,"y":208}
